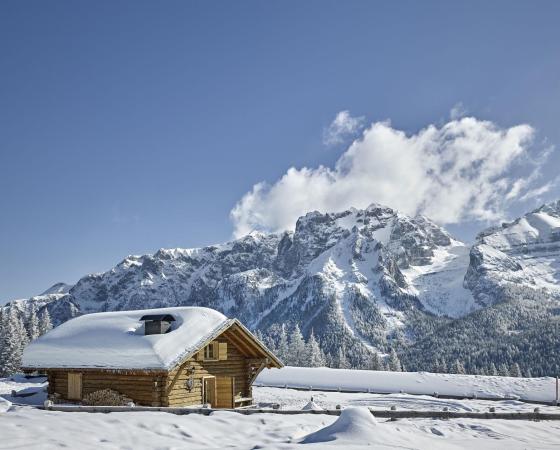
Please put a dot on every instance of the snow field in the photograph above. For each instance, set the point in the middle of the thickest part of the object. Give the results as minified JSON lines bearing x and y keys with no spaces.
{"x":30,"y":428}
{"x":24,"y":427}
{"x":291,"y":399}
{"x":423,"y":383}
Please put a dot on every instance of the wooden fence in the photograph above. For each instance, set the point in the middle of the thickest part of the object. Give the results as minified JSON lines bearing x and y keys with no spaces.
{"x":380,"y":413}
{"x":435,"y":394}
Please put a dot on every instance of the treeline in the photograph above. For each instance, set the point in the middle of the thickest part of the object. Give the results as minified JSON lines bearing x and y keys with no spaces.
{"x":289,"y":344}
{"x":458,"y":347}
{"x":511,"y":338}
{"x":15,"y":334}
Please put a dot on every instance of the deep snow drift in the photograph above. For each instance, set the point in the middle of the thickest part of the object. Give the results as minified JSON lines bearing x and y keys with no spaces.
{"x":353,"y":424}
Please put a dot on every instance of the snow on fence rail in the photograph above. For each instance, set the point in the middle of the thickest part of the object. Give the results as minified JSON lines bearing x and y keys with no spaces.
{"x":387,"y":414}
{"x":537,"y":390}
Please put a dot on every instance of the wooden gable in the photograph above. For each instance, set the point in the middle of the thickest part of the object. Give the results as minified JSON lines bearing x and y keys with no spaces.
{"x":238,"y":335}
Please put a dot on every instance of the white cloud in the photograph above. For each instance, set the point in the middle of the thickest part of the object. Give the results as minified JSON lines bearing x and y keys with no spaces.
{"x":459,"y":171}
{"x":458,"y":111}
{"x":343,"y":126}
{"x":538,"y":192}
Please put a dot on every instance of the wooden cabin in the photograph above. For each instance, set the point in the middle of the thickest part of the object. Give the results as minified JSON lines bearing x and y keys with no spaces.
{"x":182,"y":356}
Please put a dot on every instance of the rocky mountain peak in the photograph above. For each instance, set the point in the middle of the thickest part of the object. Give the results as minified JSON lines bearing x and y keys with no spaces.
{"x":357,"y":277}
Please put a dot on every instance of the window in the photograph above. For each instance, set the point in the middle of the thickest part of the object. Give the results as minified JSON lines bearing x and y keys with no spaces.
{"x":209,"y":351}
{"x":214,"y":351}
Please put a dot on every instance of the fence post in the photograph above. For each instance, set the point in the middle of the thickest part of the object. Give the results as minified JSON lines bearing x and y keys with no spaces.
{"x":556,"y":390}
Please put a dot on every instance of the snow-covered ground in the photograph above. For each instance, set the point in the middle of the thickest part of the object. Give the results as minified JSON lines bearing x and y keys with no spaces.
{"x":30,"y":428}
{"x":296,"y":399}
{"x":422,"y":383}
{"x":25,"y":427}
{"x":29,"y":391}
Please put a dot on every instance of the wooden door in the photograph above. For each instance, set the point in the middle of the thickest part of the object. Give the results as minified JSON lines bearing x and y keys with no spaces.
{"x":74,"y":386}
{"x":209,"y":391}
{"x":224,"y":390}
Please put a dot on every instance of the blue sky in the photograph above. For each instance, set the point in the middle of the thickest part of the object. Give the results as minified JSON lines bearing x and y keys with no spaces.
{"x":130,"y":126}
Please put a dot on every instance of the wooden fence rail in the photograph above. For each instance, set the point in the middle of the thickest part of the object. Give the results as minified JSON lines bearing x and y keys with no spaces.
{"x":388,"y":414}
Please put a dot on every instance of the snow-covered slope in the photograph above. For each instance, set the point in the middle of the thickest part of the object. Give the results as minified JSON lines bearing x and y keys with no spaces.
{"x":440,"y":284}
{"x":521,"y":255}
{"x":58,"y":288}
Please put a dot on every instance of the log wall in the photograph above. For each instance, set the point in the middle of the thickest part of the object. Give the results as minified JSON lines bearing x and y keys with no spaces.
{"x":142,"y":388}
{"x":234,"y":366}
{"x":162,"y":389}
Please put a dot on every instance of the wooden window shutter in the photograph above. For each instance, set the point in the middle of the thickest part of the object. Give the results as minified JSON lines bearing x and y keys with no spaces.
{"x":222,"y":352}
{"x":200,"y":355}
{"x":215,"y":348}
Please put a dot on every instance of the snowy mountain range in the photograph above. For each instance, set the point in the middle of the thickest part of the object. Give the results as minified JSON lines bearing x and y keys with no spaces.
{"x":371,"y":279}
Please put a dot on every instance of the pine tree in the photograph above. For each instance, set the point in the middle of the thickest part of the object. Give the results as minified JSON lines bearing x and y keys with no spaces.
{"x":330,"y":360}
{"x":374,"y":362}
{"x":260,"y":336}
{"x":493,"y":371}
{"x":503,"y":370}
{"x":458,"y":367}
{"x":515,"y":370}
{"x":341,"y":360}
{"x":313,"y":354}
{"x":45,"y":324}
{"x":394,"y":362}
{"x":33,"y":324}
{"x":436,"y":367}
{"x":296,"y":348}
{"x":14,"y":340}
{"x":439,"y":366}
{"x":282,"y":349}
{"x":382,"y":365}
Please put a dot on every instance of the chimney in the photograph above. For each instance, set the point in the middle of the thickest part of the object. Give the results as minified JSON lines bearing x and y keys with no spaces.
{"x":157,"y":323}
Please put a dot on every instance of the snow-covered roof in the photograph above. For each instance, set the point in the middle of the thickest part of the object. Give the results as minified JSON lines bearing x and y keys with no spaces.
{"x":116,"y":340}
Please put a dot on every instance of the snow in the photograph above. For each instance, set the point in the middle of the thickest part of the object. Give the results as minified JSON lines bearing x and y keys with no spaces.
{"x":349,"y":221}
{"x":312,"y":406}
{"x":292,"y":399}
{"x":30,"y":428}
{"x":24,"y":427}
{"x":116,"y":340}
{"x":4,"y":405}
{"x":535,"y":227}
{"x":353,"y":424}
{"x":30,"y":391}
{"x":439,"y":285}
{"x":57,"y":288}
{"x":531,"y":243}
{"x":537,"y":389}
{"x":342,"y":274}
